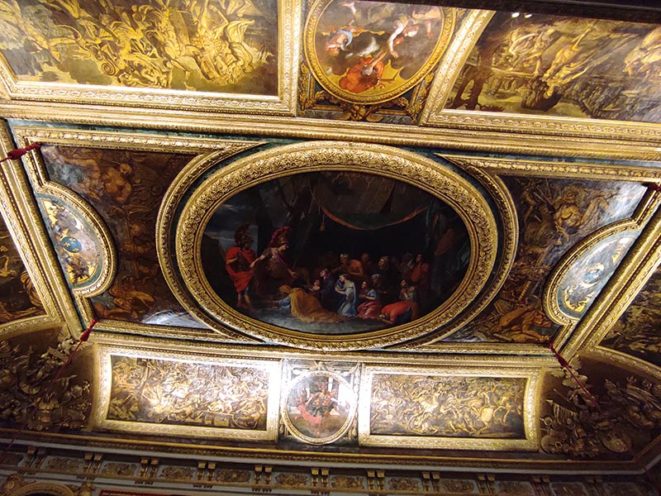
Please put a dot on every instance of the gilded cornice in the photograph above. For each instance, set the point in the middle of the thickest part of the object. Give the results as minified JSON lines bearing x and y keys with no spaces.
{"x":536,"y":143}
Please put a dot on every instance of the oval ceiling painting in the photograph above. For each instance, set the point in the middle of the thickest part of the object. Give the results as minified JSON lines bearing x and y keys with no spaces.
{"x":334,"y":252}
{"x":371,"y":52}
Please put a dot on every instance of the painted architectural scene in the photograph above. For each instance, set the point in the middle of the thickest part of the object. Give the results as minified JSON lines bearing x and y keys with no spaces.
{"x":199,"y":45}
{"x":335,"y":252}
{"x":574,"y":67}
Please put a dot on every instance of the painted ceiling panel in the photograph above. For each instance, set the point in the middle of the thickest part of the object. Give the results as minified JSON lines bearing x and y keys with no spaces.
{"x":330,"y":232}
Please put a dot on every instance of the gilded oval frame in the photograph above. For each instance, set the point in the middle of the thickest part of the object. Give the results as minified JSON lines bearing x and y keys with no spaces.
{"x":311,"y":25}
{"x":408,"y":167}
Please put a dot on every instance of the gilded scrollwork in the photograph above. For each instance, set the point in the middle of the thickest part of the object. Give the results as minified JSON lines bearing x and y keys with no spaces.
{"x":35,"y":394}
{"x":283,"y":161}
{"x":581,"y":421}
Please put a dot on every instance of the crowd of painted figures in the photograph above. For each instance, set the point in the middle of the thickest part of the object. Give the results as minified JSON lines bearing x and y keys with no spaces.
{"x":390,"y":289}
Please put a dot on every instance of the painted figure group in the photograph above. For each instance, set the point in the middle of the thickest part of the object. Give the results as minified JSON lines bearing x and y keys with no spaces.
{"x":390,"y":290}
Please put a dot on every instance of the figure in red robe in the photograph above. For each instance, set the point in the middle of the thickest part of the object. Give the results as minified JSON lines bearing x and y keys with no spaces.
{"x":239,"y":262}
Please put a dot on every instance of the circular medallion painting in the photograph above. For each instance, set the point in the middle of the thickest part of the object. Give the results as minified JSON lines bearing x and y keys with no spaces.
{"x":319,"y":407}
{"x":335,"y":252}
{"x":371,"y":52}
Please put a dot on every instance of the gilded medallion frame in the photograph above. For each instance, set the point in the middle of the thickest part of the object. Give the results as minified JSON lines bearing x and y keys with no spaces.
{"x":311,"y":23}
{"x":401,"y":165}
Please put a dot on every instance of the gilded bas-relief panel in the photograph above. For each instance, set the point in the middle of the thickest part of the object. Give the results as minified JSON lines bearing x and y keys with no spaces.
{"x":175,"y":394}
{"x":178,"y":393}
{"x":637,"y":332}
{"x":554,"y":215}
{"x":428,"y":408}
{"x":419,"y":405}
{"x":197,"y":45}
{"x":575,"y":67}
{"x":18,"y":296}
{"x":125,"y":188}
{"x":335,"y":252}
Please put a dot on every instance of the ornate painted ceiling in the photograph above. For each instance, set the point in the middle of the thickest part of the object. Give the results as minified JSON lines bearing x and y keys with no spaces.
{"x":336,"y":231}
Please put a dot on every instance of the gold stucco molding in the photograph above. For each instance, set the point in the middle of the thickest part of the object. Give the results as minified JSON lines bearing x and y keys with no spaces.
{"x":408,"y":167}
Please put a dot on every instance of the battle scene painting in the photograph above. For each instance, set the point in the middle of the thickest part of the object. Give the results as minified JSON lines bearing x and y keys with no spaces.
{"x":638,"y":331}
{"x":575,"y":67}
{"x":554,"y":215}
{"x":422,"y":405}
{"x":371,"y":52}
{"x":335,"y":252}
{"x":195,"y":394}
{"x":198,"y":45}
{"x":125,"y":188}
{"x":18,"y":296}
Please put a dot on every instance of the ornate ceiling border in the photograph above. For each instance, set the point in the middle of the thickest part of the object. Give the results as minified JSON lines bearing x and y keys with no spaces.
{"x":289,"y":32}
{"x":24,"y":221}
{"x":624,"y":285}
{"x":103,"y":382}
{"x":398,"y":164}
{"x":37,"y":175}
{"x":389,"y":134}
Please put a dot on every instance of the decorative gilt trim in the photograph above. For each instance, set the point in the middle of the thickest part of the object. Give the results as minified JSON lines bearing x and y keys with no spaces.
{"x":389,"y":134}
{"x":453,"y":61}
{"x":630,"y":363}
{"x":103,"y":383}
{"x":50,"y":488}
{"x":289,"y":36}
{"x":509,"y":245}
{"x":477,"y":359}
{"x":397,"y":164}
{"x":165,"y":228}
{"x":113,"y":140}
{"x":530,"y":412}
{"x":560,"y":170}
{"x":623,"y":286}
{"x":25,"y":225}
{"x":557,"y":126}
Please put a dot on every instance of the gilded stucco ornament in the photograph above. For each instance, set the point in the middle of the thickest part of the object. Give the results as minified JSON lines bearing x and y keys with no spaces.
{"x":406,"y":167}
